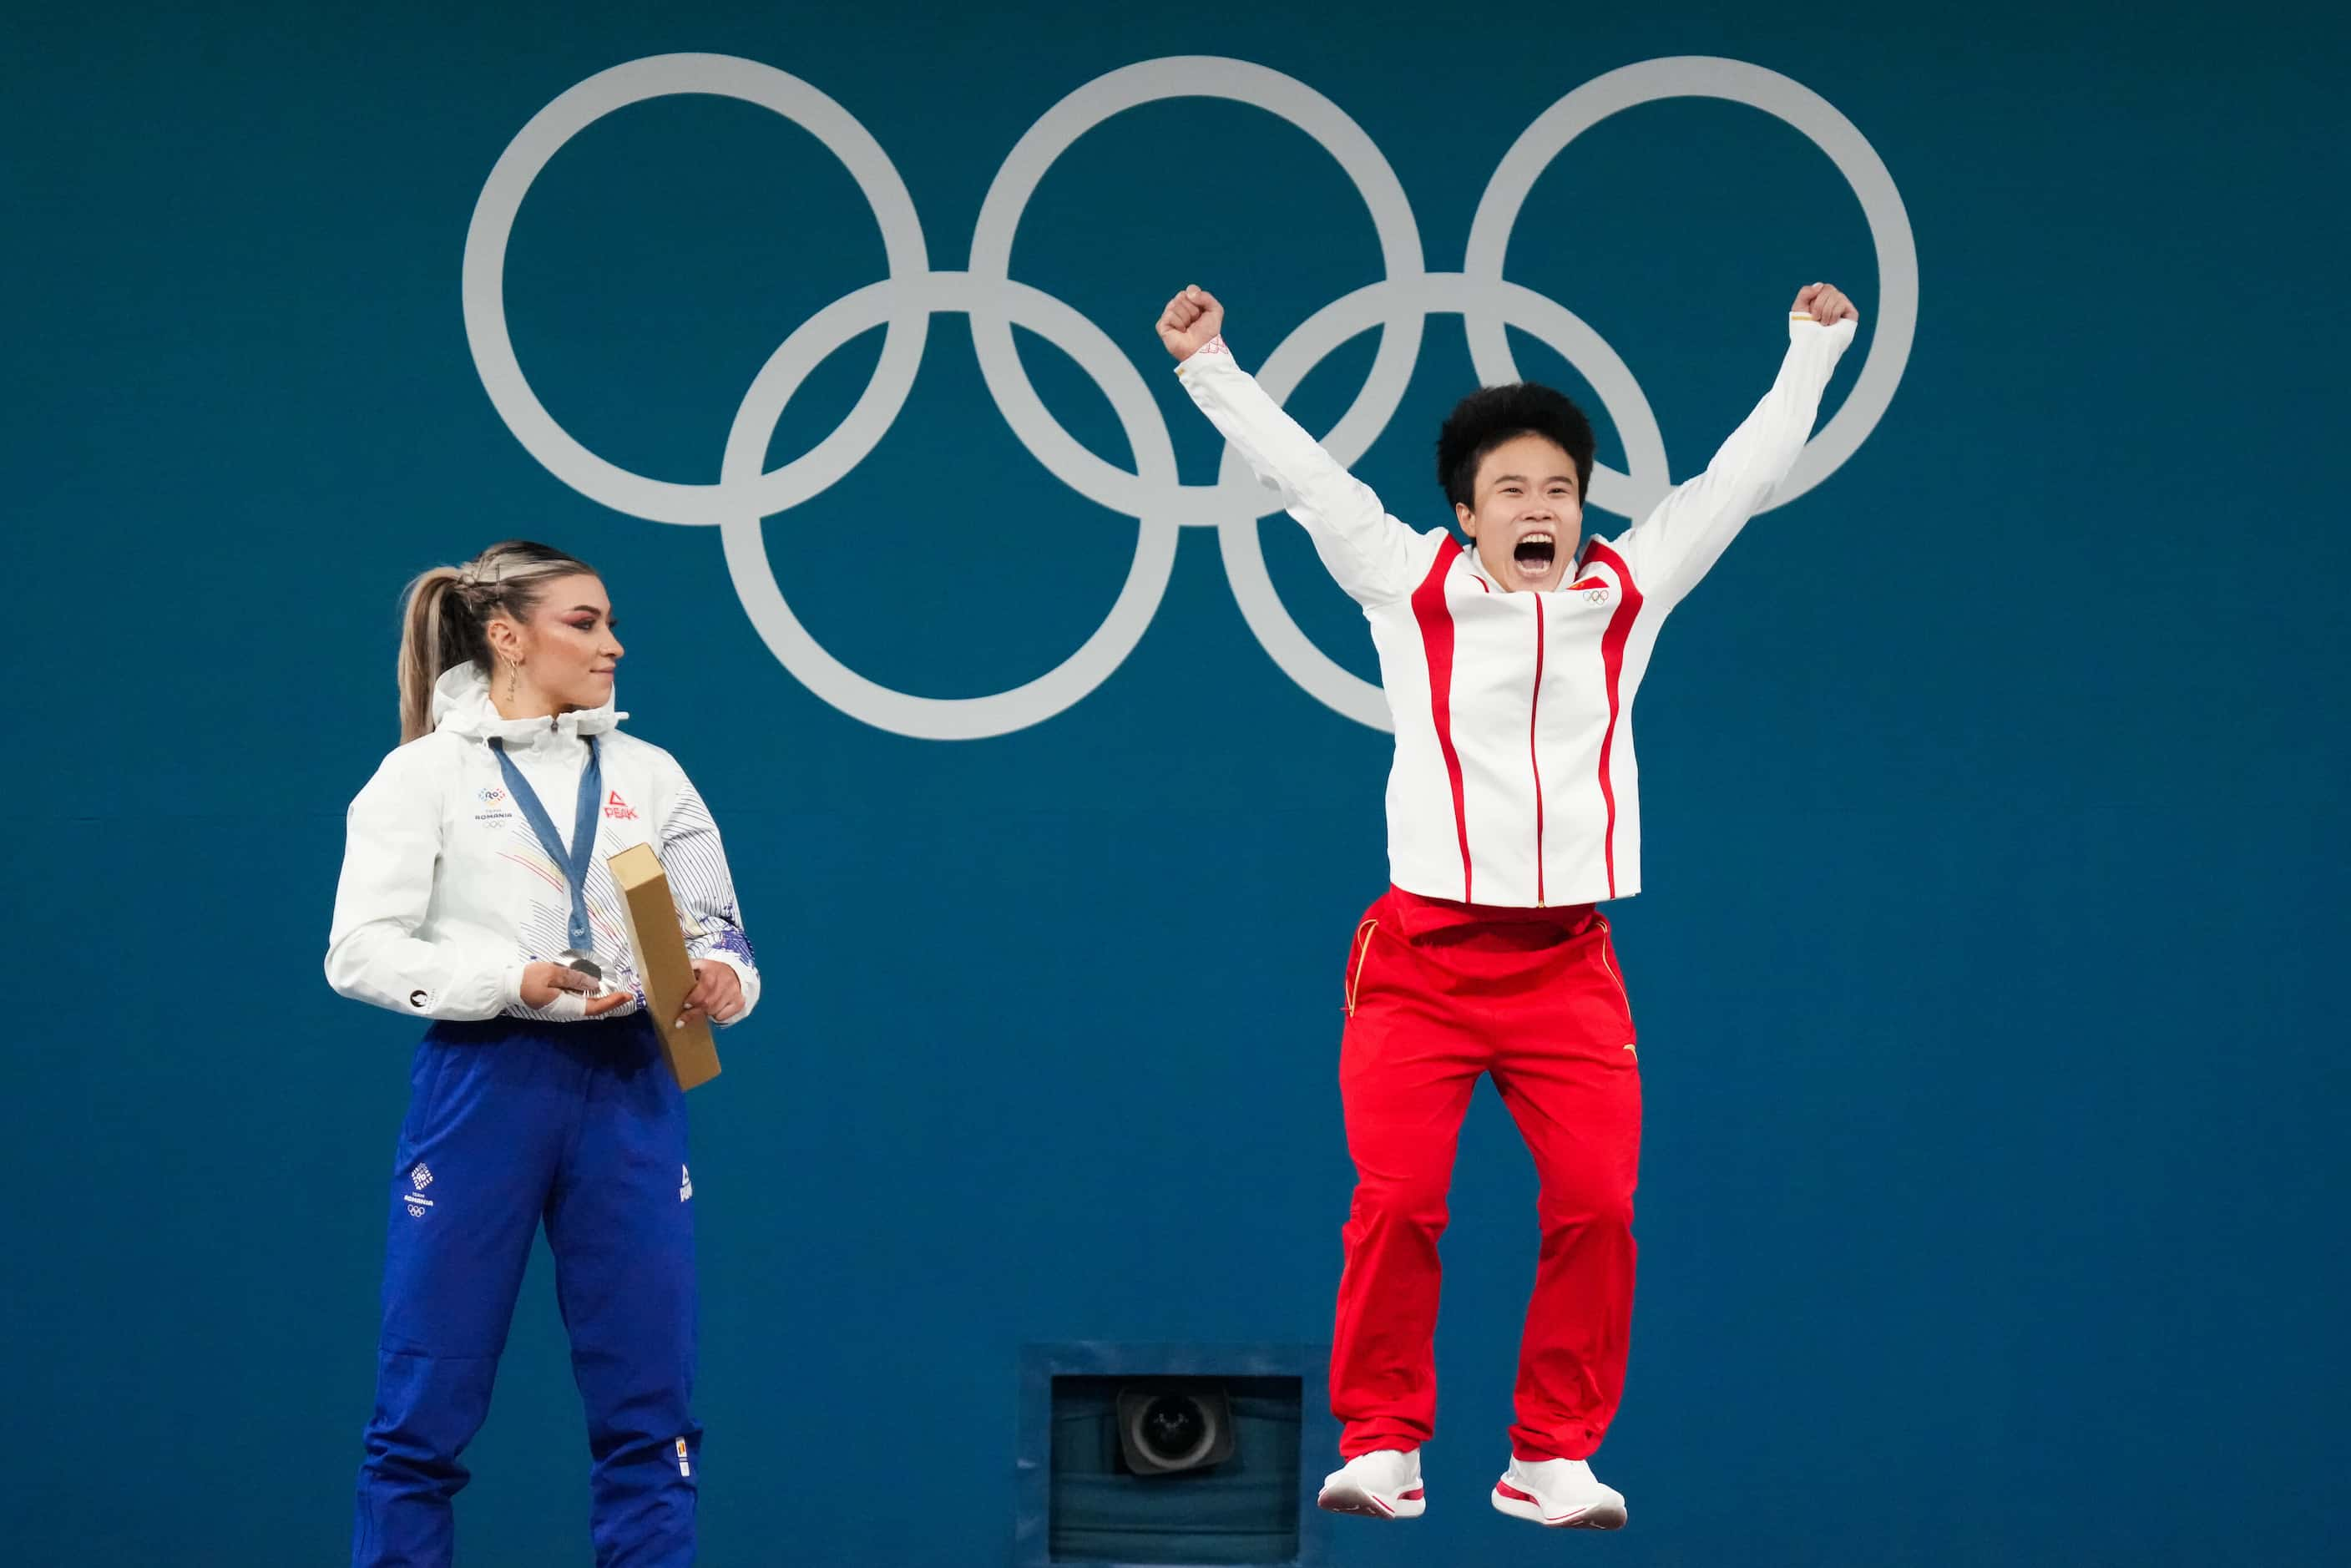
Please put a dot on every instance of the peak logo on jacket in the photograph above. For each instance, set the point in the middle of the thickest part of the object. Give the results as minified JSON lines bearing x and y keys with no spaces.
{"x":618,"y":809}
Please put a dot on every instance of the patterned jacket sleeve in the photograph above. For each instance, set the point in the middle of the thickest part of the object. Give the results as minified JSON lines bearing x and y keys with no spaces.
{"x":695,"y":864}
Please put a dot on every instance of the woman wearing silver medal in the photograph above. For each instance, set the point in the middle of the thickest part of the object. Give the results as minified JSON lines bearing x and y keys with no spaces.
{"x":475,"y":893}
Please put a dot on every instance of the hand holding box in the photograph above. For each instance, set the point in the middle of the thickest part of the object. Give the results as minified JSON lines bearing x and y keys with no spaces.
{"x":660,"y":946}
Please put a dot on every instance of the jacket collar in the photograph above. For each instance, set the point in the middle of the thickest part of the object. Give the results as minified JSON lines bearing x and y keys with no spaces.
{"x":461,"y":706}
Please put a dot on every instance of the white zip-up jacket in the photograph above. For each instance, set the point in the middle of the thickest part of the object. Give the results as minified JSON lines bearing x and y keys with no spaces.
{"x":447,"y":893}
{"x":1514,"y":781}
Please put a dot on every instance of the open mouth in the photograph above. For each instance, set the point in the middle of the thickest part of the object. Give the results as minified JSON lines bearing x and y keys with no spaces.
{"x":1536,"y":554}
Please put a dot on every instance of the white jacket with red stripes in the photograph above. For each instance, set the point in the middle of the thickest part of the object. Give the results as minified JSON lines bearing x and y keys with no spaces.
{"x":1514,"y":781}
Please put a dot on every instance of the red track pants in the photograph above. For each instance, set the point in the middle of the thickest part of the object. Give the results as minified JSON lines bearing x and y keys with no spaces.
{"x":1437,"y":993}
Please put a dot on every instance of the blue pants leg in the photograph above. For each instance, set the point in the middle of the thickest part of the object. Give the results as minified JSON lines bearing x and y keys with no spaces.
{"x":621,"y":1222}
{"x":510,"y":1123}
{"x":490,"y":1110}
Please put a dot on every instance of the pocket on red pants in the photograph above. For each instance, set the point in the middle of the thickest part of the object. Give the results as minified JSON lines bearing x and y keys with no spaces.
{"x":1359,"y":956}
{"x":1606,"y":954}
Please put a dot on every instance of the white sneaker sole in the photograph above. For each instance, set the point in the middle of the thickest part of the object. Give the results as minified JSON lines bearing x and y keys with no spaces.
{"x":1347,"y":1497}
{"x":1518,"y":1504}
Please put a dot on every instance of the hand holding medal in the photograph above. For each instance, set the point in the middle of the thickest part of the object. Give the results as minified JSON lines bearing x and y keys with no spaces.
{"x":562,"y":987}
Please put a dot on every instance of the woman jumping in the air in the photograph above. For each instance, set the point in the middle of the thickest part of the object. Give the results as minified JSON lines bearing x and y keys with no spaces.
{"x":1514,"y":810}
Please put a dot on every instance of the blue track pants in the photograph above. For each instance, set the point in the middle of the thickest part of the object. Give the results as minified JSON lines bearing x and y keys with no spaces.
{"x":511,"y":1123}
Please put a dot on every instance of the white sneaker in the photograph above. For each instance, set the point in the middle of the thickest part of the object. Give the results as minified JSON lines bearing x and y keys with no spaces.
{"x":1381,"y":1484}
{"x":1560,"y":1493}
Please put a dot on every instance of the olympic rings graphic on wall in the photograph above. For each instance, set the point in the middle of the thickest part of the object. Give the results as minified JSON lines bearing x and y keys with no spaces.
{"x":747,"y":492}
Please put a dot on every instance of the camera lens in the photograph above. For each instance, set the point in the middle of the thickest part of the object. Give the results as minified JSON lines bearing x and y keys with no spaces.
{"x":1173,"y":1427}
{"x":1171,"y":1424}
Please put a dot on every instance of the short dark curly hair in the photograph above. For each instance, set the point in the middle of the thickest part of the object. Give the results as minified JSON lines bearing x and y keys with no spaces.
{"x":1492,"y":415}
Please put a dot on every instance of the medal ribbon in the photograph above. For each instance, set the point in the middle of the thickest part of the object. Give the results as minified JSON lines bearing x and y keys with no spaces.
{"x":573,"y":862}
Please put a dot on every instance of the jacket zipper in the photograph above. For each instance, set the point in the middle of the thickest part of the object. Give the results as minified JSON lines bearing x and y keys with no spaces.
{"x":1534,"y":759}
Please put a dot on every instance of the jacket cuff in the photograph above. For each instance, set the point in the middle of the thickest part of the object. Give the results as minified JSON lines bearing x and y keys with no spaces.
{"x":1802,"y":327}
{"x":1214,"y":349}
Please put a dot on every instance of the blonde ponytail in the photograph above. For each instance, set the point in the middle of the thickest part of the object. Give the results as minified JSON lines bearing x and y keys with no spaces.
{"x":424,"y":646}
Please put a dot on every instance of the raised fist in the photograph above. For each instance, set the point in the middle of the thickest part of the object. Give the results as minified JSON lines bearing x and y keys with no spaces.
{"x":1191,"y":319}
{"x":1825,"y":304}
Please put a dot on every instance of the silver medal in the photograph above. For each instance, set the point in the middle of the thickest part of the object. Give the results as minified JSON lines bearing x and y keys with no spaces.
{"x":585,"y":964}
